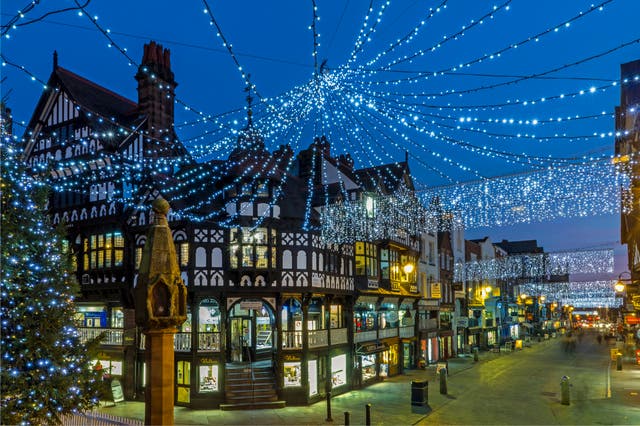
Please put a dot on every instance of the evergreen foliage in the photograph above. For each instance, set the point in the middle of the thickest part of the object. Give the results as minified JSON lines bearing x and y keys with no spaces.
{"x":46,"y":369}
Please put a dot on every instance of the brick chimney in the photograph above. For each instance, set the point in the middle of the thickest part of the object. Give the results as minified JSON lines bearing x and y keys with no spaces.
{"x":156,"y":92}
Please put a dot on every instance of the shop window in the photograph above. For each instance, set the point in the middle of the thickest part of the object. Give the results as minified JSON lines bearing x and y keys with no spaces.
{"x":364,"y":318}
{"x":312,"y":371}
{"x":262,"y":189}
{"x":316,"y":312}
{"x":292,"y":374}
{"x":117,"y":318}
{"x":366,"y":259}
{"x":103,"y":251}
{"x":338,"y":370}
{"x":108,"y":367}
{"x":335,"y":316}
{"x":208,"y":316}
{"x":185,"y":327}
{"x":208,"y":378}
{"x":138,"y":257}
{"x":368,"y":367}
{"x":384,"y":264}
{"x":183,"y":381}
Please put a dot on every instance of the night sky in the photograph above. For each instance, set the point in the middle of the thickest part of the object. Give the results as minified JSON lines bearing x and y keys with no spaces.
{"x":272,"y":41}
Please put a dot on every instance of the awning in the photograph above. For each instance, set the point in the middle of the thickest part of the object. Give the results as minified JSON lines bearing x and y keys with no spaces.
{"x":371,"y":348}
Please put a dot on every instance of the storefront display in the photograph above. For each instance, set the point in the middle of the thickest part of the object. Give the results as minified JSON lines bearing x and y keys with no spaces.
{"x":339,"y":370}
{"x":369,"y":367}
{"x":292,"y":374}
{"x":312,"y":370}
{"x":208,"y":378}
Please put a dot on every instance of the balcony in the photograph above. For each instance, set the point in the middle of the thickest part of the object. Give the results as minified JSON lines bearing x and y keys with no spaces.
{"x":318,"y":338}
{"x":182,"y":342}
{"x":365,"y":336}
{"x":428,"y":324}
{"x":387,"y":332}
{"x":291,"y":340}
{"x":408,"y":331}
{"x":113,"y":336}
{"x":338,"y":336}
{"x":208,"y":342}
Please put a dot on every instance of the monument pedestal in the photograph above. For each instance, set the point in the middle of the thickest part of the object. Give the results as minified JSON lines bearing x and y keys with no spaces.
{"x":159,"y":392}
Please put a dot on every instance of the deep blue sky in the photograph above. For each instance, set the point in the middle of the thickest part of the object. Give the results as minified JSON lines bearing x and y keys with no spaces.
{"x":272,"y":42}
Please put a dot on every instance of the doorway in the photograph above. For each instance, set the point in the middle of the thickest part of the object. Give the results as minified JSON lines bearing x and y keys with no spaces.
{"x":251,"y":332}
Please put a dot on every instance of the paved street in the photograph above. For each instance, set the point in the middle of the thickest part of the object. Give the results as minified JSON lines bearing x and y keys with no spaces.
{"x":509,"y":388}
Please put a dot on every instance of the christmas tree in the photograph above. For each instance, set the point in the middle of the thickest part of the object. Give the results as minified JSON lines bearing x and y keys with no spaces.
{"x":46,"y":370}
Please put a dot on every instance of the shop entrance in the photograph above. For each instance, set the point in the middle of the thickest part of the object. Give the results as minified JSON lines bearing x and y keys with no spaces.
{"x":251,"y":332}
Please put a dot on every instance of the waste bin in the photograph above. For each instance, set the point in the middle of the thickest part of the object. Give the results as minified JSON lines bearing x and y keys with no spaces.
{"x":419,"y":392}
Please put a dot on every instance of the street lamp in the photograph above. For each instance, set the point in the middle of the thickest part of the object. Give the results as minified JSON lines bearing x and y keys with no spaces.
{"x":620,"y":284}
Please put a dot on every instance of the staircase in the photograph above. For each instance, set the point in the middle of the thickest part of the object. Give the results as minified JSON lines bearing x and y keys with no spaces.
{"x":250,"y":386}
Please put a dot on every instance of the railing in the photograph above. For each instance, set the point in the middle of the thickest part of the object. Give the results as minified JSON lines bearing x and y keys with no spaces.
{"x":408,"y":331}
{"x":428,"y":324}
{"x":318,"y":338}
{"x":387,"y":332}
{"x":113,"y":336}
{"x":339,"y":336}
{"x":365,"y":336}
{"x":292,"y":340}
{"x":208,"y":342}
{"x":97,"y":418}
{"x":182,"y":342}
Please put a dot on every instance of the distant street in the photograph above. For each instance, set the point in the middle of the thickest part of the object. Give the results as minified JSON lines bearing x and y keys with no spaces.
{"x":524,"y":388}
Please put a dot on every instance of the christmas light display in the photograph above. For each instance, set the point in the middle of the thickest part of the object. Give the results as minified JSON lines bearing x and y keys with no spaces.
{"x":46,"y":371}
{"x":579,"y":294}
{"x":364,"y":110}
{"x":537,"y":265}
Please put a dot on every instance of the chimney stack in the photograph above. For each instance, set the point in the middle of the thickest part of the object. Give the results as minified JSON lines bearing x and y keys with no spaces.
{"x":156,"y":93}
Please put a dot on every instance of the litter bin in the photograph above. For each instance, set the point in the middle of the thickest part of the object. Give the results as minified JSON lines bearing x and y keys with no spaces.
{"x":419,"y":392}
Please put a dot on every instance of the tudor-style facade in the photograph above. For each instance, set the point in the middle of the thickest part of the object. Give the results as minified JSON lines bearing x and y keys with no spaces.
{"x":266,"y":291}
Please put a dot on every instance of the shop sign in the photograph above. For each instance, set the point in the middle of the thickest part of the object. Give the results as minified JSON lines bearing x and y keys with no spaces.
{"x":435,"y":291}
{"x":247,"y":305}
{"x":459,"y":294}
{"x":290,"y":357}
{"x":463,"y":322}
{"x":207,"y":361}
{"x":116,"y":391}
{"x":631,"y":319}
{"x":373,"y":284}
{"x":372,"y":348}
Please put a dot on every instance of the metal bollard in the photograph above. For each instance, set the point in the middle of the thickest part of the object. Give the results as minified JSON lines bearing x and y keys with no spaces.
{"x":475,"y":354}
{"x":443,"y":381}
{"x":367,"y":418}
{"x":619,"y":361}
{"x":347,"y":418}
{"x":565,"y":392}
{"x":329,"y":419}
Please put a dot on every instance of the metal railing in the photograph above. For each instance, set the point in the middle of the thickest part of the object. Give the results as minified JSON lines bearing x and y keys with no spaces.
{"x":408,"y":331}
{"x":209,"y":342}
{"x":292,"y":340}
{"x":387,"y":332}
{"x":339,"y":336}
{"x":428,"y":323}
{"x":365,"y":336}
{"x":113,"y":336}
{"x":318,"y":338}
{"x":182,"y":342}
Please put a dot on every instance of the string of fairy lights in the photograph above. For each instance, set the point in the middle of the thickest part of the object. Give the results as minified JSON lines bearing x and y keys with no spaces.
{"x":584,"y":294}
{"x":364,"y":113}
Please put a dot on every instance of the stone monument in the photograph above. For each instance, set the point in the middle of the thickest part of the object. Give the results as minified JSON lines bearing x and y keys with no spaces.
{"x":160,"y":302}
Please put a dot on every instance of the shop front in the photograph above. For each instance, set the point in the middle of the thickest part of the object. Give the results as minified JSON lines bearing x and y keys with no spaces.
{"x":250,"y":330}
{"x":445,"y":343}
{"x":428,"y":350}
{"x":370,"y":363}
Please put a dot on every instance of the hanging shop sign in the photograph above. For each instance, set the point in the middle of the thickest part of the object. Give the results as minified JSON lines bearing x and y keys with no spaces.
{"x":371,"y":348}
{"x":247,"y":305}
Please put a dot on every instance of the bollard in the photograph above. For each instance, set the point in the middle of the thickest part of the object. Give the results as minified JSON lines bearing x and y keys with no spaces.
{"x":565,"y":393}
{"x":329,"y":419}
{"x":367,"y":418}
{"x":443,"y":381}
{"x":347,"y":418}
{"x":619,"y":361}
{"x":475,"y":354}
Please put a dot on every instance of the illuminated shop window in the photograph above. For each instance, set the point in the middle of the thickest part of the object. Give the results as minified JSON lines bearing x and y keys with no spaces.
{"x":251,"y":249}
{"x":292,"y":374}
{"x":338,"y":371}
{"x":208,"y":378}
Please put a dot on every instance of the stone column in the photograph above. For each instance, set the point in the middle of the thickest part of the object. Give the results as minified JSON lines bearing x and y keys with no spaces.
{"x":159,"y":393}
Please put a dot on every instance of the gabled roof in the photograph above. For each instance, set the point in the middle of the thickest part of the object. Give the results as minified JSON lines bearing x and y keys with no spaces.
{"x":387,"y":177}
{"x":520,"y":247}
{"x":95,"y":97}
